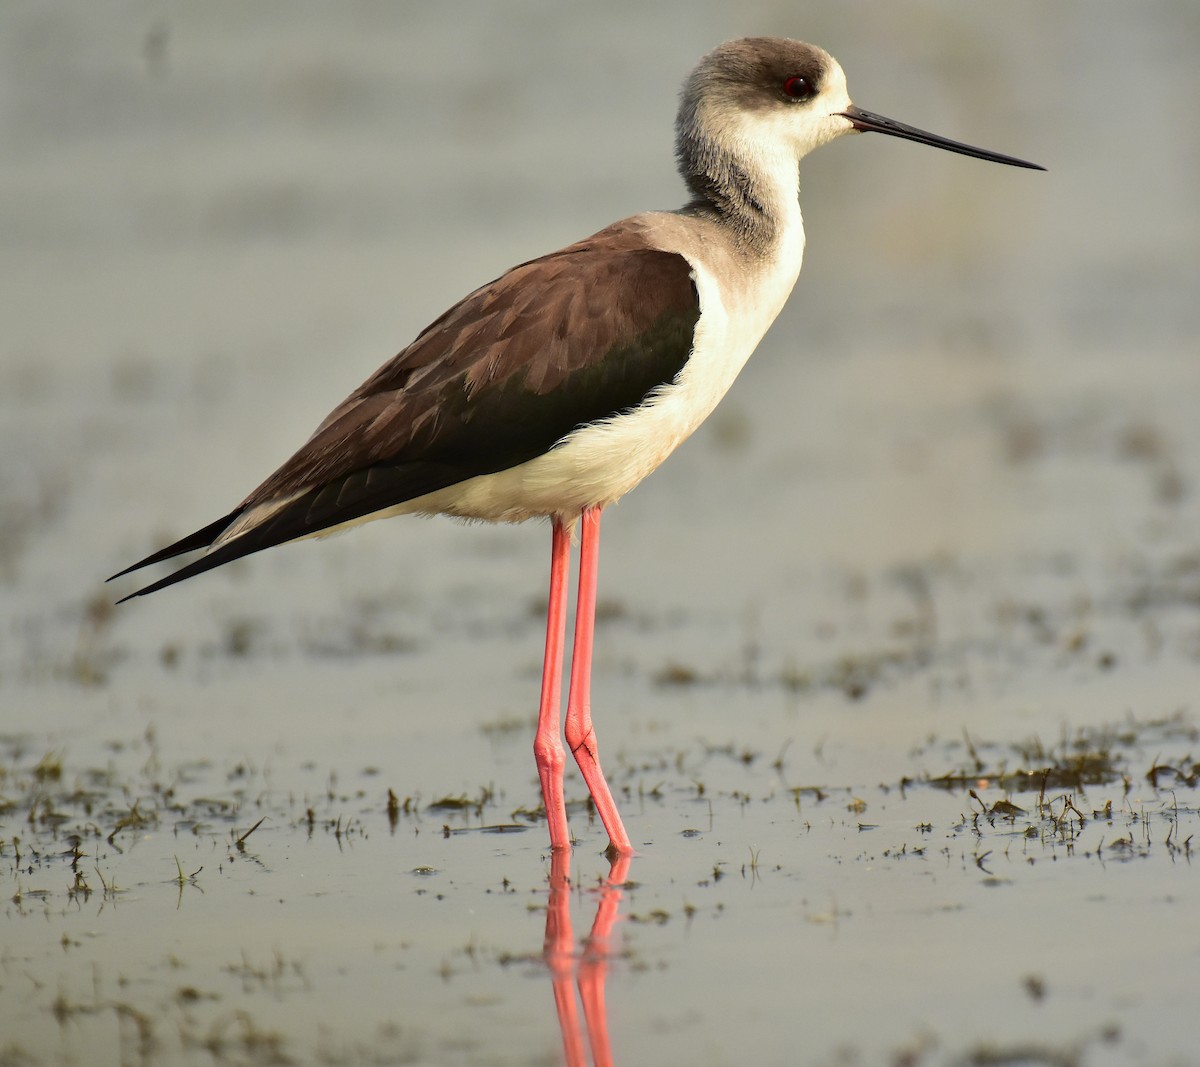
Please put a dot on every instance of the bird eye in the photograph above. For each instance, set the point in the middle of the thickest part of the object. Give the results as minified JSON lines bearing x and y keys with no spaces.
{"x":797,"y":87}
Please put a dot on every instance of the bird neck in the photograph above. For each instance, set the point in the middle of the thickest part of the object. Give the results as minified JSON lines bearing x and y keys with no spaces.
{"x":747,"y":185}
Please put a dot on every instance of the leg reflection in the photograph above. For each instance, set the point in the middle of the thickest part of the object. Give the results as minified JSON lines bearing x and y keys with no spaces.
{"x":590,"y":968}
{"x":559,"y":952}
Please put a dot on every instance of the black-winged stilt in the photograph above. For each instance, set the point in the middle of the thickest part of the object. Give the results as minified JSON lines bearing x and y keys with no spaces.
{"x":553,"y":390}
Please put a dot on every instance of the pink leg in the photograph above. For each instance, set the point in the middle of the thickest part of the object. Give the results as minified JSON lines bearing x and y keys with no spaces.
{"x":581,"y":737}
{"x":548,"y":750}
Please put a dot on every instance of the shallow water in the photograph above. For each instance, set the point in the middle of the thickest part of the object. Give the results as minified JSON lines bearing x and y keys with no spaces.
{"x":939,"y":539}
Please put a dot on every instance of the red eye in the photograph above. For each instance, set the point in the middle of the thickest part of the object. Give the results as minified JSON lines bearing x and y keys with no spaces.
{"x":797,"y":88}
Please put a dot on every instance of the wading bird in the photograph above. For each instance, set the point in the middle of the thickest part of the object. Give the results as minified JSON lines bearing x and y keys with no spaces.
{"x":553,"y":390}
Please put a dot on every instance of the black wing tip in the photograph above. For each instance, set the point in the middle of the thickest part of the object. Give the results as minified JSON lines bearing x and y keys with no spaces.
{"x":153,"y":587}
{"x":278,"y":529}
{"x":128,"y":570}
{"x":204,"y":563}
{"x":202,"y":538}
{"x":185,"y":572}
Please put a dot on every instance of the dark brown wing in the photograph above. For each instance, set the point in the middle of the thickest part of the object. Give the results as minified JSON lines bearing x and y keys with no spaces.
{"x":561,"y":341}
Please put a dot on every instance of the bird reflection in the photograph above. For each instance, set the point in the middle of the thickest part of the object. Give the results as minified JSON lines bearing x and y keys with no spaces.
{"x":589,"y":968}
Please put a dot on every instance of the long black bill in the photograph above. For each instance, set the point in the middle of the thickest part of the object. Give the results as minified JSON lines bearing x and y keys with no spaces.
{"x":869,"y":122}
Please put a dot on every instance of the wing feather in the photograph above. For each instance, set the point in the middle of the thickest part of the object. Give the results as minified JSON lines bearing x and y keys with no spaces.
{"x":513,"y":368}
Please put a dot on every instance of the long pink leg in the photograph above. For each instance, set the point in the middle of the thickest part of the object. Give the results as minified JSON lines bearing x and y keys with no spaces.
{"x":581,"y":737}
{"x":548,"y":750}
